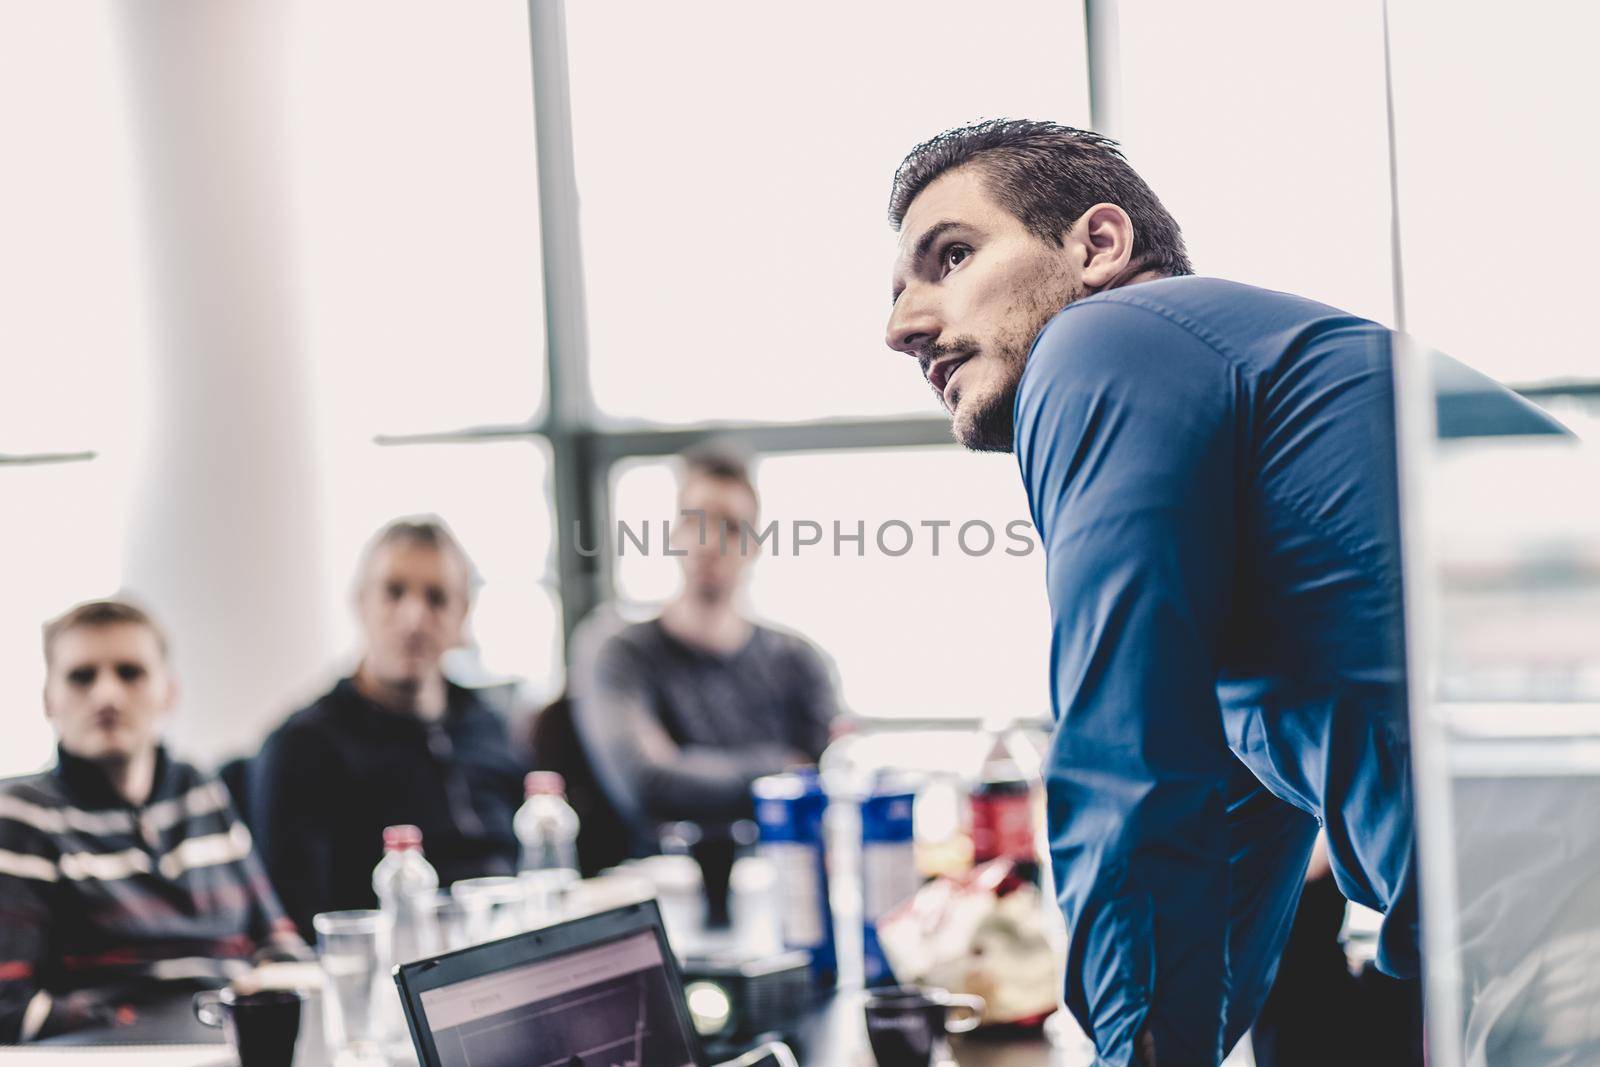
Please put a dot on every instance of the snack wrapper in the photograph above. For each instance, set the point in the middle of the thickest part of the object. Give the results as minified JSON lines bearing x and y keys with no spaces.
{"x":984,"y":932}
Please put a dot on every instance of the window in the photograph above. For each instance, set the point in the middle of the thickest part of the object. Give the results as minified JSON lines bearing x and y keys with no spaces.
{"x":418,"y":196}
{"x":734,"y":163}
{"x":66,"y":549}
{"x":420,"y":240}
{"x":493,"y":497}
{"x":1497,"y":179}
{"x":922,"y":633}
{"x":71,"y":355}
{"x":1269,"y":151}
{"x":409,"y":165}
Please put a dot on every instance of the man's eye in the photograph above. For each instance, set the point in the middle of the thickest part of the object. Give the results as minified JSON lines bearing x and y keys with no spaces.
{"x":394,"y":590}
{"x":83,"y":676}
{"x":955,"y":255}
{"x":437,"y":599}
{"x":130,"y":672}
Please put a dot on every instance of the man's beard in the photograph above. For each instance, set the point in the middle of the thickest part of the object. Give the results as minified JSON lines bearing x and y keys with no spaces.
{"x":988,"y":424}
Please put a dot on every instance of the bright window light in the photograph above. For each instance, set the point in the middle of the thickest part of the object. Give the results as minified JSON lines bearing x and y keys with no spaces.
{"x":419,"y":211}
{"x":419,"y":217}
{"x":734,"y":162}
{"x":72,"y":351}
{"x":1497,"y":180}
{"x":913,"y":634}
{"x":66,"y":549}
{"x":1260,"y":126}
{"x":495,"y":498}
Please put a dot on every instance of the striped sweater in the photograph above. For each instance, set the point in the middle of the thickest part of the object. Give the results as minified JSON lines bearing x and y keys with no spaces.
{"x":103,"y":904}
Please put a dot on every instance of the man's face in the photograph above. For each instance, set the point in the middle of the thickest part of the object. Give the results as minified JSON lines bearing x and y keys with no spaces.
{"x":412,"y":608}
{"x":711,"y":570}
{"x":972,"y":289}
{"x":108,"y":692}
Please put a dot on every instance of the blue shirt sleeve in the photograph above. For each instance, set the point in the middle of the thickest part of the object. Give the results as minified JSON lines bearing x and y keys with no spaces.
{"x":1129,"y":426}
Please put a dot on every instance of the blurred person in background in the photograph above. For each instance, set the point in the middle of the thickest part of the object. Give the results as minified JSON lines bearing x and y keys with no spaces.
{"x":394,"y":743}
{"x":1211,"y":468}
{"x":125,"y":874}
{"x":1324,"y":1007}
{"x":681,"y":713}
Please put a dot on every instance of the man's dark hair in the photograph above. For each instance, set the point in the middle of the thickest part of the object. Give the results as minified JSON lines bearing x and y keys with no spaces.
{"x":95,"y":614}
{"x":429,"y":530}
{"x":1047,"y":175}
{"x":719,"y":459}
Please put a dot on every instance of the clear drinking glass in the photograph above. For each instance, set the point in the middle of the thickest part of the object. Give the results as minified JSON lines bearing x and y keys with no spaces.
{"x":354,"y":947}
{"x":546,"y":895}
{"x":452,"y":916}
{"x":493,"y":907}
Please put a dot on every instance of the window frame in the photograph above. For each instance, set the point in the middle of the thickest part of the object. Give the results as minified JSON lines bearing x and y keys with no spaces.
{"x":585,"y":445}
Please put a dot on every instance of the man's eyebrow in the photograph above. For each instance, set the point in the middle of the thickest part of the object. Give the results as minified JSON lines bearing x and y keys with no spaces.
{"x":925,"y":244}
{"x":932,"y":234}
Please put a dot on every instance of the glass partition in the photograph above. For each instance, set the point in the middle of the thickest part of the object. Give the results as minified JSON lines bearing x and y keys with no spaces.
{"x":1503,"y":614}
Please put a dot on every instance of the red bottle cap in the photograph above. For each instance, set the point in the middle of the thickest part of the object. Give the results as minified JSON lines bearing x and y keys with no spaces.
{"x":399,"y":838}
{"x":545,"y":782}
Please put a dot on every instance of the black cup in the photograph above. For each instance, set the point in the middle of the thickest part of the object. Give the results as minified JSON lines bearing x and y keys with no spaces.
{"x":907,"y":1024}
{"x":261,"y":1027}
{"x":715,"y":855}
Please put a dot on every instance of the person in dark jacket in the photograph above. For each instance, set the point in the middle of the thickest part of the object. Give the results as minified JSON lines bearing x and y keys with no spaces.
{"x":394,"y":743}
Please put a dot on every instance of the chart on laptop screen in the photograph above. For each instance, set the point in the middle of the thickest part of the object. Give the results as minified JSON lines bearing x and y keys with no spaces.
{"x":611,"y":1005}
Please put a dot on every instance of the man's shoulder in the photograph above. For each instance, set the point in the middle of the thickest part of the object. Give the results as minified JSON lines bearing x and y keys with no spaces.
{"x":33,"y":810}
{"x":316,"y":724}
{"x":472,"y":708}
{"x":1124,"y":332}
{"x":783,"y":639}
{"x":185,"y":775}
{"x":640,"y":638}
{"x":790,"y":646}
{"x":1205,"y":299}
{"x":1230,"y":316}
{"x":40,"y":787}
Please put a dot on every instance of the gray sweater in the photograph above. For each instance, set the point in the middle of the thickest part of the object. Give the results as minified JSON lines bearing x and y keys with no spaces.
{"x":679,"y":732}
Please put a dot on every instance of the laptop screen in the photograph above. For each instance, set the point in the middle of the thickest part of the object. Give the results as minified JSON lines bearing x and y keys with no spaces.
{"x":605,"y":1005}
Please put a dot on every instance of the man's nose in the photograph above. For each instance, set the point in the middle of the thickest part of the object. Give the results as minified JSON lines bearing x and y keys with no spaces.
{"x":413,"y":610}
{"x":109,"y":691}
{"x":913,"y":325}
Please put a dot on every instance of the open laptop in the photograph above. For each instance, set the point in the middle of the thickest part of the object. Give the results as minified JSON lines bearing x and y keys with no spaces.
{"x":598,"y":991}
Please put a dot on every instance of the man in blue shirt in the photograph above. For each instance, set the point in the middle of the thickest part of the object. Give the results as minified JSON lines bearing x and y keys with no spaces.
{"x":1211,"y":469}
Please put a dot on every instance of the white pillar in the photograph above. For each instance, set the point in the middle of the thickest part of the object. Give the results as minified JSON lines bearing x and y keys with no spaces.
{"x":224,"y":540}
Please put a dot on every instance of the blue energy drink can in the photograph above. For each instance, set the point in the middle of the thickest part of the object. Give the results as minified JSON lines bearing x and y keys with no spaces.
{"x":790,"y":809}
{"x":888,"y":869}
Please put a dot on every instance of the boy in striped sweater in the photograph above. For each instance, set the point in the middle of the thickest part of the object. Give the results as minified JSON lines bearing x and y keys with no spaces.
{"x":124,"y":873}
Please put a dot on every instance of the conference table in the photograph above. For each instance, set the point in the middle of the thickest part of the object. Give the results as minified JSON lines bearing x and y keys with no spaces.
{"x":831,"y":1033}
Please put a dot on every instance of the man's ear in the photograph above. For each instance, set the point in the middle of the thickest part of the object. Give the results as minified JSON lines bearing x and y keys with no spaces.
{"x":1105,"y":233}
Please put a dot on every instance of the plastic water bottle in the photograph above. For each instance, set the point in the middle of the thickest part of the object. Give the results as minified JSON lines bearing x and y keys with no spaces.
{"x":407,"y":887}
{"x":408,"y":892}
{"x":547,"y":827}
